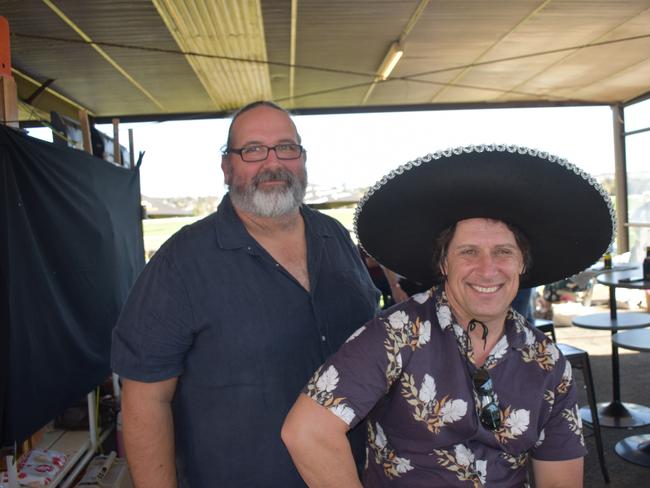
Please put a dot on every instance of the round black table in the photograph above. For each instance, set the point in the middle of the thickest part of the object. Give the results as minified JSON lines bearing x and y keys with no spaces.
{"x":636,"y":448}
{"x":616,"y":413}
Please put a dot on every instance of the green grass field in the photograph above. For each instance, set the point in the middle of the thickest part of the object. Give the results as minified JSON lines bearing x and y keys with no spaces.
{"x":157,"y":231}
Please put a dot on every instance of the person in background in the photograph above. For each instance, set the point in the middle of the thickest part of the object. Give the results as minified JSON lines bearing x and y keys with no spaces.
{"x":385,"y":280}
{"x":457,"y":387}
{"x":522,"y":304}
{"x":231,"y":316}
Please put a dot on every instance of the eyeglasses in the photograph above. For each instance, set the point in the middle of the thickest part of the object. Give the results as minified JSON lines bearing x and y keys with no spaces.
{"x":490,"y":414}
{"x":259,"y":152}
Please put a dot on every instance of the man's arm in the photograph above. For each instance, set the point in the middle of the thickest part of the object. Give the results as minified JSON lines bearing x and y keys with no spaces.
{"x":318,"y":445}
{"x":558,"y":474}
{"x":149,"y":432}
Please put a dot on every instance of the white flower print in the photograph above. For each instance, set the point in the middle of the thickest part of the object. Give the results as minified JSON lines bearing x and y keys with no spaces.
{"x":578,"y":417}
{"x":542,"y":436}
{"x":436,"y":413}
{"x":464,"y":456}
{"x":393,"y":465}
{"x":458,"y":330}
{"x":421,"y":297}
{"x":572,"y":416}
{"x":500,"y":348}
{"x":402,"y":465}
{"x":398,"y":319}
{"x":425,"y":333}
{"x":356,"y":333}
{"x":520,"y":320}
{"x":530,"y":336}
{"x":345,"y":413}
{"x":481,"y":470}
{"x":463,"y":464}
{"x":517,"y":422}
{"x":398,"y":362}
{"x":328,"y":380}
{"x":568,"y":373}
{"x":444,"y":316}
{"x":428,"y":389}
{"x":380,"y":438}
{"x":453,"y":411}
{"x":544,"y":353}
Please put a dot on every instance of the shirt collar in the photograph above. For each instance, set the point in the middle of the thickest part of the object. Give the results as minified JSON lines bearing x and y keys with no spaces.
{"x":515,"y":325}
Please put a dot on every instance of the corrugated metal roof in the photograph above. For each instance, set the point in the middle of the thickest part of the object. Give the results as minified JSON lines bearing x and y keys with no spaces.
{"x":455,"y":52}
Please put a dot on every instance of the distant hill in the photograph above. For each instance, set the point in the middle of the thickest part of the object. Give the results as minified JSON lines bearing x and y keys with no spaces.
{"x":316,"y":196}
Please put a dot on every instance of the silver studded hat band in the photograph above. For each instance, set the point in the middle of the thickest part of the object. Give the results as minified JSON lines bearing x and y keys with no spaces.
{"x":565,"y":214}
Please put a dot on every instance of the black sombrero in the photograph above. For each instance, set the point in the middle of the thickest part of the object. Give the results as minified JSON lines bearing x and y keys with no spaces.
{"x":566,"y":215}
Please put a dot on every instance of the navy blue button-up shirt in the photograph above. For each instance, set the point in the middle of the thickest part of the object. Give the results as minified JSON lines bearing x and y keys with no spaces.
{"x":243,"y":336}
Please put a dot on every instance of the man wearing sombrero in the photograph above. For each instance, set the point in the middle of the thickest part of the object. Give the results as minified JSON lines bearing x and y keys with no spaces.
{"x":458,"y":389}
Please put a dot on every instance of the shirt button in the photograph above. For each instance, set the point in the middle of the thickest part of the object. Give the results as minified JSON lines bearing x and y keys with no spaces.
{"x":323,"y":338}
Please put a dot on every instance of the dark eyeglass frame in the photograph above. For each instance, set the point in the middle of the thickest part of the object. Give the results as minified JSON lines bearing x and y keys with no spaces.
{"x":245,"y":156}
{"x":489,"y":414}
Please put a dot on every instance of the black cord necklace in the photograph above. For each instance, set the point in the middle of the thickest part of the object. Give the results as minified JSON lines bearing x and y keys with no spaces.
{"x":472,"y":325}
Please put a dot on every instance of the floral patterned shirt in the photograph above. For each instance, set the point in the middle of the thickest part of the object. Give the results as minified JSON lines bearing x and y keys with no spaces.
{"x":408,"y":371}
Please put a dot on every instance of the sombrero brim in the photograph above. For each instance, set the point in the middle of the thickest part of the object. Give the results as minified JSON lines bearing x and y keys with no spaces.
{"x":567,"y":217}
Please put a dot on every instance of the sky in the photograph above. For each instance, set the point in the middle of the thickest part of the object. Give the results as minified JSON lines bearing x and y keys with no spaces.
{"x":182,"y":158}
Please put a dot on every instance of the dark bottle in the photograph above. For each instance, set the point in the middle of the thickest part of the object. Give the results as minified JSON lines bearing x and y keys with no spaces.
{"x":646,"y":265}
{"x":607,"y":261}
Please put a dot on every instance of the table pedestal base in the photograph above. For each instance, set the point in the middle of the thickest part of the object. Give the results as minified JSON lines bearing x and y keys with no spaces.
{"x":618,"y":415}
{"x":635,"y":449}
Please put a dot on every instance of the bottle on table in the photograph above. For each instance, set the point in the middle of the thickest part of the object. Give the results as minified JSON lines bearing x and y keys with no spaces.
{"x":607,"y":261}
{"x":646,"y":265}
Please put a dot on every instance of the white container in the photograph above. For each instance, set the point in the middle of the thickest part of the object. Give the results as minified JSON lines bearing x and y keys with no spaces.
{"x":117,"y":475}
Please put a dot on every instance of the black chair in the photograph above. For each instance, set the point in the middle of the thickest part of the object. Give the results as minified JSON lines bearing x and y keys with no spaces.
{"x":579,"y":359}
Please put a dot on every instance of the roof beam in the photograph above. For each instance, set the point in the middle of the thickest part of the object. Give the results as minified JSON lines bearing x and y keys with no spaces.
{"x":292,"y":49}
{"x":103,"y":53}
{"x":48,"y":101}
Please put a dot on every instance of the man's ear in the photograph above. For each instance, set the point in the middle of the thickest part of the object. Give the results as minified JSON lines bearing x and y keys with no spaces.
{"x":226,"y":167}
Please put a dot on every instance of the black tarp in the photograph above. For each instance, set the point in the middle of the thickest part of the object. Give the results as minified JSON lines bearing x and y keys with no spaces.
{"x":70,"y":249}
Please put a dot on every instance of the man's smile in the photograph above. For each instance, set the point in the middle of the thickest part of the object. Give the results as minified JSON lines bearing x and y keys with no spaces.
{"x":486,"y":289}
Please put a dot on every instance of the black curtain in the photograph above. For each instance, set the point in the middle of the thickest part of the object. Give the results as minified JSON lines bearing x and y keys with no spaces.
{"x":70,"y":249}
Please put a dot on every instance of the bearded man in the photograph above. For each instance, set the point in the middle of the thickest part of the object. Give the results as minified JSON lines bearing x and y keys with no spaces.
{"x":230,"y":317}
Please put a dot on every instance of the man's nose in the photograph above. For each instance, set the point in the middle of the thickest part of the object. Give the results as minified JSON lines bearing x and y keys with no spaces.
{"x":487,"y":264}
{"x":272,"y":158}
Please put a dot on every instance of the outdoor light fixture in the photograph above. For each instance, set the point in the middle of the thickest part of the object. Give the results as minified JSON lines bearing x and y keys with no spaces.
{"x":393,"y":56}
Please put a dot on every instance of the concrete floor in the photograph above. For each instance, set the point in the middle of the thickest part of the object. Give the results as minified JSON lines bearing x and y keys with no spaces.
{"x":635,"y":388}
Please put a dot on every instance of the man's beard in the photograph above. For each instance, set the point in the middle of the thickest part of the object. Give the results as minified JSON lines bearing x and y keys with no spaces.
{"x":274,"y":201}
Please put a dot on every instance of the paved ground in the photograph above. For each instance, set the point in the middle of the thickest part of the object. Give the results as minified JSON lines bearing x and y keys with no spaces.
{"x":635,"y":388}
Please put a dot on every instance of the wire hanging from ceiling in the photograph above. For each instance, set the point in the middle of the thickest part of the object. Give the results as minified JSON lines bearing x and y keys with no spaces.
{"x":414,"y":77}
